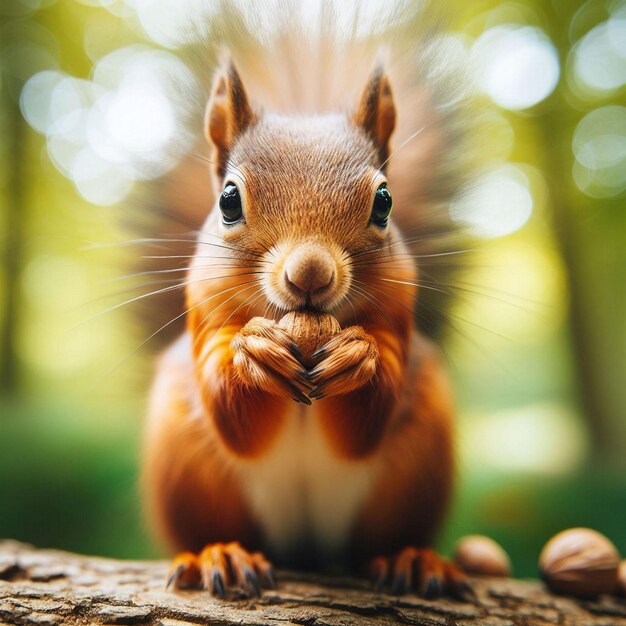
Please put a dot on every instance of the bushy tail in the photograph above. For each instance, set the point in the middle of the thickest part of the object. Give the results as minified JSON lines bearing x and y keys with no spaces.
{"x":297,"y":59}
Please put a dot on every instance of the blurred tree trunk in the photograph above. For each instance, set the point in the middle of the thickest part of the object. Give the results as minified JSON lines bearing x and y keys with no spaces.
{"x":13,"y":138}
{"x":591,"y":235}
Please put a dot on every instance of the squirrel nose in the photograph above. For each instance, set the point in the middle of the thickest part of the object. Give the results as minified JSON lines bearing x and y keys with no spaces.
{"x":310,"y":268}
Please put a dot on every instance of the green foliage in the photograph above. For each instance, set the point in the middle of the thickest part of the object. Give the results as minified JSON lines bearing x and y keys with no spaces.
{"x":67,"y":484}
{"x":537,"y":339}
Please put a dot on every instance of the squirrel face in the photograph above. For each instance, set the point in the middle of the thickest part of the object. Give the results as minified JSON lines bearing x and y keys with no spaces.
{"x":302,"y":194}
{"x":307,"y":188}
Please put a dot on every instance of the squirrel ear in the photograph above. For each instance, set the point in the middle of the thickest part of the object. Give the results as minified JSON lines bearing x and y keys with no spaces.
{"x":228,"y":114}
{"x":376,"y":113}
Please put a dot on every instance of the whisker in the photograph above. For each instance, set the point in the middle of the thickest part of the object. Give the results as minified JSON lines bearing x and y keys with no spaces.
{"x":154,"y":293}
{"x":151,"y":240}
{"x":467,"y":337}
{"x":127,"y":290}
{"x":201,"y":233}
{"x":413,"y":311}
{"x":498,"y":291}
{"x":133,"y":242}
{"x":182,"y":269}
{"x":402,"y":282}
{"x":259,"y":296}
{"x":387,"y":294}
{"x":433,"y":308}
{"x":200,"y":157}
{"x":191,"y":256}
{"x":449,"y":314}
{"x":153,"y":283}
{"x":373,"y":302}
{"x":406,"y":255}
{"x":241,"y":304}
{"x":205,"y":159}
{"x":203,"y":322}
{"x":356,"y":321}
{"x":267,"y":308}
{"x":162,"y":328}
{"x":404,"y":143}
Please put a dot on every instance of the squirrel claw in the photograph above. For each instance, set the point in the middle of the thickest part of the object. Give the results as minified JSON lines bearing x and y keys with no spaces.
{"x":300,"y":397}
{"x":174,"y":577}
{"x":461,"y":590}
{"x":269,"y":580}
{"x":293,"y":348}
{"x":379,"y":571}
{"x":184,"y":573}
{"x":319,"y":353}
{"x":399,"y":585}
{"x":432,"y":587}
{"x":253,"y":586}
{"x":215,"y":584}
{"x":304,"y":376}
{"x":317,"y":393}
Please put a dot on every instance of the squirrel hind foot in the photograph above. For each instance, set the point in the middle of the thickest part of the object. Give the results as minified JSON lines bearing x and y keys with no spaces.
{"x":420,"y":570}
{"x":221,"y":567}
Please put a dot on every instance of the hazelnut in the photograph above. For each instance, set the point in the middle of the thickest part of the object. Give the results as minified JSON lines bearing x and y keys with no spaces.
{"x":482,"y":556}
{"x":579,"y":562}
{"x":310,"y":331}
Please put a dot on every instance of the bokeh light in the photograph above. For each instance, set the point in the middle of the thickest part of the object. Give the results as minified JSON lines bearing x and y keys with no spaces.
{"x":516,"y":66}
{"x":599,"y":146}
{"x":496,"y":203}
{"x":121,"y":126}
{"x":598,"y":60}
{"x":538,"y":438}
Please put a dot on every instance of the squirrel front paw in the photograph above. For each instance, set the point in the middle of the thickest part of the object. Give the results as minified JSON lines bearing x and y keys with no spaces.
{"x":220,"y":567}
{"x":347,"y":362}
{"x":423,"y":571}
{"x":266,"y":357}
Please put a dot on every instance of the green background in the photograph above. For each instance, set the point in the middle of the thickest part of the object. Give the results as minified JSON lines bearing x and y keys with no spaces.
{"x":537,"y":352}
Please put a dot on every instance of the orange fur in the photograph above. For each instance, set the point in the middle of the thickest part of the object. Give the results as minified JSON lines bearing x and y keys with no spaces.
{"x":230,"y":395}
{"x":409,"y":502}
{"x":191,"y":490}
{"x":355,"y":419}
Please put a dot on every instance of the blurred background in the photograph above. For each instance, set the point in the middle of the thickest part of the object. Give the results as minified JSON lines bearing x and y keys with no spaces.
{"x":536,"y":345}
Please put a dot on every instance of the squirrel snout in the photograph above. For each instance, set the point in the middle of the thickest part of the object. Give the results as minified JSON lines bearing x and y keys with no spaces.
{"x":309,"y":269}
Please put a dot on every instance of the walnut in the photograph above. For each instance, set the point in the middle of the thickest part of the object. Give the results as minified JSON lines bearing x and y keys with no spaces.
{"x":482,"y":556}
{"x":579,"y":562}
{"x":310,"y":331}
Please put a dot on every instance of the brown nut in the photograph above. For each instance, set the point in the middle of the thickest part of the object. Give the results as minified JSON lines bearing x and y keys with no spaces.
{"x":482,"y":556}
{"x":310,"y":331}
{"x":579,"y":562}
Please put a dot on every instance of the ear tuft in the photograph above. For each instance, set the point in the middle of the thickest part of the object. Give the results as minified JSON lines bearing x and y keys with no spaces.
{"x":228,"y":114}
{"x":376,"y":113}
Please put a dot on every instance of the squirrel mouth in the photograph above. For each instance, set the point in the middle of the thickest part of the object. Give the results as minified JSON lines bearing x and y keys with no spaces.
{"x":308,"y":308}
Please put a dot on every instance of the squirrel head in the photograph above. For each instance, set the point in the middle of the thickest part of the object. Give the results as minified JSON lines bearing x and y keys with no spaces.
{"x":305,"y":193}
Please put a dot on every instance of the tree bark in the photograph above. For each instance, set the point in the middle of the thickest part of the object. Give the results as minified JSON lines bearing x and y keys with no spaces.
{"x":52,"y":587}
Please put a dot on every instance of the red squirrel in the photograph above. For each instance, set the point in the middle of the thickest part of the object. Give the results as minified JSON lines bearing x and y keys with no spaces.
{"x":255,"y":456}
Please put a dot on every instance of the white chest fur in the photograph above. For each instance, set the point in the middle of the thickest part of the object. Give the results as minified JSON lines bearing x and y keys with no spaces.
{"x":300,"y":491}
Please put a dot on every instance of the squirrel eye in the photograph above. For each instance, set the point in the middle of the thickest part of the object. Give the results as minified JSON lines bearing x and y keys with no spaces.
{"x":230,"y":204}
{"x":381,"y":207}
